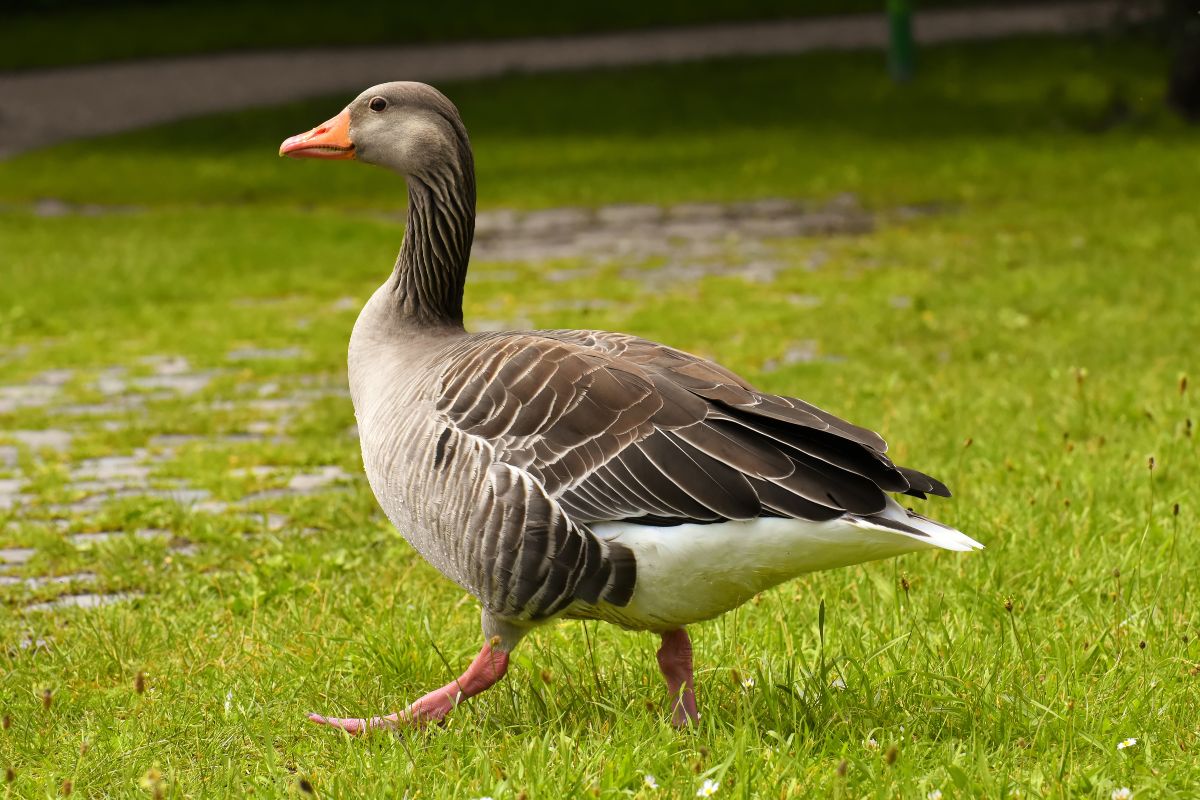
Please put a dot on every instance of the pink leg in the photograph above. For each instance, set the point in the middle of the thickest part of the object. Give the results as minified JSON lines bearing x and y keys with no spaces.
{"x":675,"y":661}
{"x":487,"y":668}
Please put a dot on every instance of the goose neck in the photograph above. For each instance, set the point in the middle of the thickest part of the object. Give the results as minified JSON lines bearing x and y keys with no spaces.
{"x":431,"y":269}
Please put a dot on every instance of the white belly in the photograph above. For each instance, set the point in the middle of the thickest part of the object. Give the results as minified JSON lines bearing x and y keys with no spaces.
{"x":689,"y":573}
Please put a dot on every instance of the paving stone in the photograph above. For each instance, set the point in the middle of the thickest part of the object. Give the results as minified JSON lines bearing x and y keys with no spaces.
{"x":8,"y":455}
{"x":242,"y":437}
{"x":15,"y":555}
{"x":13,"y":353}
{"x":771,"y":228}
{"x":173,"y":439}
{"x":168,"y":365}
{"x":827,"y":223}
{"x":53,"y":377}
{"x":123,"y":406}
{"x":111,"y":381}
{"x":260,"y":471}
{"x":567,"y":275}
{"x":492,"y":276}
{"x":554,"y":219}
{"x":87,"y":600}
{"x":53,"y":580}
{"x":582,"y":306}
{"x":760,"y":271}
{"x":796,"y":353}
{"x":766,"y":207}
{"x":309,"y":481}
{"x":26,"y":396}
{"x":182,"y":383}
{"x":264,"y":353}
{"x":696,"y":229}
{"x":53,"y":207}
{"x":489,"y":223}
{"x":491,"y":325}
{"x":98,"y":486}
{"x":182,"y":496}
{"x":816,"y":259}
{"x":268,"y":405}
{"x":805,"y":300}
{"x":697,"y":211}
{"x":131,"y":467}
{"x":93,"y":538}
{"x":626,"y":214}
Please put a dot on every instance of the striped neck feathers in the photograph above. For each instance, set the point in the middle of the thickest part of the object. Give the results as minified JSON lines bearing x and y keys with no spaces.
{"x":431,"y":269}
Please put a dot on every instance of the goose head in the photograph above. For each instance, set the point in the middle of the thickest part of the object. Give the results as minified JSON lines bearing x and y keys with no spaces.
{"x":409,"y":128}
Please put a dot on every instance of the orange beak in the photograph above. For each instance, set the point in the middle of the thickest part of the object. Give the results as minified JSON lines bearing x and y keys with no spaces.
{"x":328,"y":140}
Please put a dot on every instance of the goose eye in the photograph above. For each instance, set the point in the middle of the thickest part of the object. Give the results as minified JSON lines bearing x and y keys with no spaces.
{"x":377,"y":104}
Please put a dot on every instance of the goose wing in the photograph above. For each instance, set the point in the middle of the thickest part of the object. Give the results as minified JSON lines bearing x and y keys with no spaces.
{"x":614,"y":427}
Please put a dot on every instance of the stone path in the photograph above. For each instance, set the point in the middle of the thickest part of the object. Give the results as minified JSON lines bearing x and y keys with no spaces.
{"x":108,"y":98}
{"x":68,"y":510}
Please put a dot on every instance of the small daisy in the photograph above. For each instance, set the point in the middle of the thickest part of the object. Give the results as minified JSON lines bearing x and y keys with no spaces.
{"x":708,"y":789}
{"x":747,"y":682}
{"x":871,"y":744}
{"x":650,"y":782}
{"x":1122,"y":794}
{"x":936,"y":794}
{"x":1130,"y":742}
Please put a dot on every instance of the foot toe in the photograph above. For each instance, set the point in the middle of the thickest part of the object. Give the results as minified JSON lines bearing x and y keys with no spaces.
{"x":352,"y":726}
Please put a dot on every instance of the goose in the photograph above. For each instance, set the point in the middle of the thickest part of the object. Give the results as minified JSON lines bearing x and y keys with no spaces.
{"x":581,"y":474}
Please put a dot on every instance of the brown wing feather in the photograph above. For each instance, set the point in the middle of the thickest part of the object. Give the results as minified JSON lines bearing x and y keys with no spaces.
{"x":617,"y":427}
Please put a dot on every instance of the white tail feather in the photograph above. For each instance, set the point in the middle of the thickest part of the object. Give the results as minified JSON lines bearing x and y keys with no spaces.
{"x":939,"y":535}
{"x":691,"y":572}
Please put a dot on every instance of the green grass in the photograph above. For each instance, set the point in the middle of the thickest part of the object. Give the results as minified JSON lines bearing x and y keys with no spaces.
{"x":1037,"y":368}
{"x":50,"y":33}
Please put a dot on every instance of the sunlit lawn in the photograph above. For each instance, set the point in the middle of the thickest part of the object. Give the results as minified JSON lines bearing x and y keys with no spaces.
{"x":1026,"y":343}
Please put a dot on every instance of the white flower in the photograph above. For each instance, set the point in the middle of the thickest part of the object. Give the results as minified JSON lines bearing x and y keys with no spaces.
{"x":228,"y":701}
{"x":1122,"y":794}
{"x":747,"y":682}
{"x":650,"y":782}
{"x":936,"y":794}
{"x":1130,"y":742}
{"x":871,"y":744}
{"x":708,"y":789}
{"x":838,"y":683}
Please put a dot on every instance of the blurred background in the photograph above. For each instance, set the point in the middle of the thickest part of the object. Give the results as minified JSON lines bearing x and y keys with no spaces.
{"x":969,"y":225}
